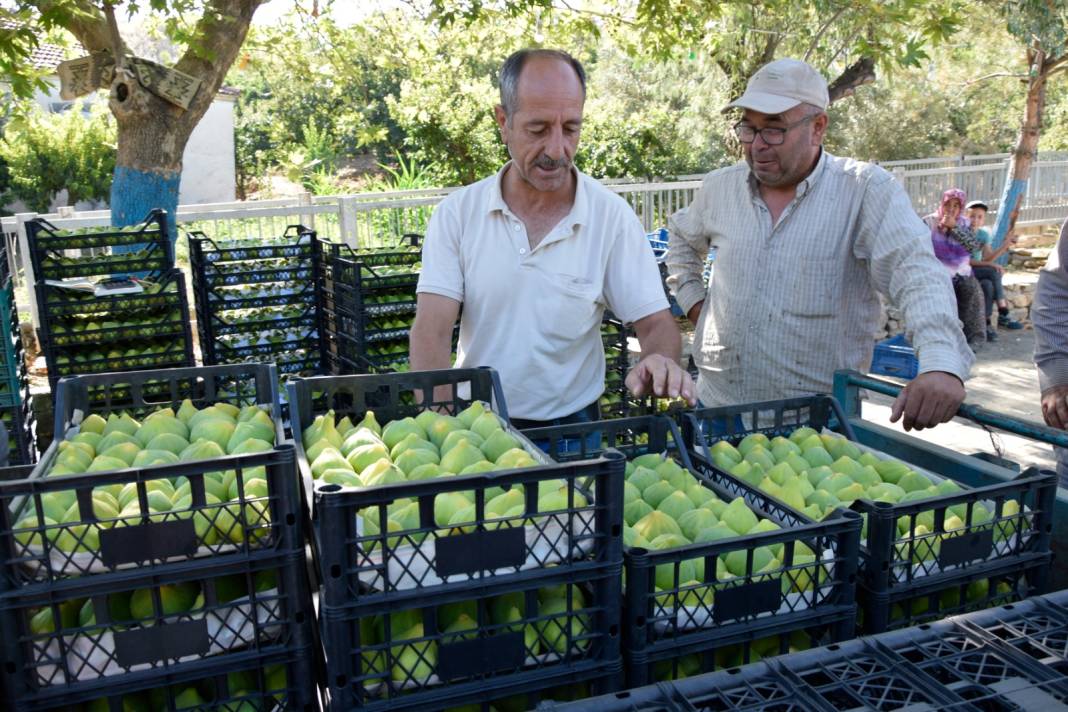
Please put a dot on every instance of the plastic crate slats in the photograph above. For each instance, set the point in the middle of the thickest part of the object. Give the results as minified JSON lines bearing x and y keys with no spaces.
{"x":901,"y":569}
{"x":664,"y":622}
{"x":49,"y":245}
{"x":975,"y":661}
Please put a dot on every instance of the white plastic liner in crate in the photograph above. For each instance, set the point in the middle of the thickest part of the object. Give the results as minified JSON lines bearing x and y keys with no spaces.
{"x":93,"y":656}
{"x":411,"y":566}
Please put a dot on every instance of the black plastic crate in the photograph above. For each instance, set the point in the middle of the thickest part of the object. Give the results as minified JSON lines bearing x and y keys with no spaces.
{"x":292,"y":257}
{"x":894,"y":565}
{"x":979,"y":587}
{"x":264,"y":681}
{"x":169,"y":320}
{"x":266,"y":319}
{"x":358,"y":565}
{"x":139,"y":530}
{"x":50,"y":247}
{"x":998,"y":659}
{"x":1037,"y":627}
{"x":438,"y":651}
{"x":148,"y":354}
{"x":163,"y":292}
{"x":78,"y":639}
{"x":679,"y":601}
{"x":19,"y":426}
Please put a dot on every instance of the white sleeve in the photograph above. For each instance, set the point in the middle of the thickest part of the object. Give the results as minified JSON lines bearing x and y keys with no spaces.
{"x":442,"y":272}
{"x":632,"y":285}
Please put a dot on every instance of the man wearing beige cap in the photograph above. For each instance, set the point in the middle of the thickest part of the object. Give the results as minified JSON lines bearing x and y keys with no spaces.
{"x":803,"y":242}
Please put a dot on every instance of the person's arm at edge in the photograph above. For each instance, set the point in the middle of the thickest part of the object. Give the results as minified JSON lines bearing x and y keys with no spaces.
{"x":903,"y":267}
{"x":686,"y":255}
{"x":1049,"y":315}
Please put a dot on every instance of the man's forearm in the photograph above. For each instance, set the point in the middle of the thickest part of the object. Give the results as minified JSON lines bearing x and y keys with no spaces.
{"x":660,"y":336}
{"x":430,"y":348}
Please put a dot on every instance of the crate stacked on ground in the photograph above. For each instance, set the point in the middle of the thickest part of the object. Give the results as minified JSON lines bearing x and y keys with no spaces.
{"x":616,"y":402}
{"x":929,"y":547}
{"x":81,"y":333}
{"x":159,"y":542}
{"x":16,"y":409}
{"x":369,"y":302}
{"x":458,"y":564}
{"x":998,"y":659}
{"x":258,"y":301}
{"x":711,"y":580}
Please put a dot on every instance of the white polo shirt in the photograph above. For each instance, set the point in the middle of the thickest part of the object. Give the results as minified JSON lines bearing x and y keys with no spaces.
{"x":535,"y":315}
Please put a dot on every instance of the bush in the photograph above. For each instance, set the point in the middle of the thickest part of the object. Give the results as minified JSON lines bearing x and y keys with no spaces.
{"x":47,"y":152}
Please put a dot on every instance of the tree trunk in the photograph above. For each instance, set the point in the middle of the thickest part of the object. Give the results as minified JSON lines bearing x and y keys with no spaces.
{"x":152,"y":134}
{"x":1023,"y":155}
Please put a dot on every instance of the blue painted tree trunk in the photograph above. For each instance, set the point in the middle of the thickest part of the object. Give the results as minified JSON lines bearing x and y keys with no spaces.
{"x":1011,"y":197}
{"x":134,"y":193}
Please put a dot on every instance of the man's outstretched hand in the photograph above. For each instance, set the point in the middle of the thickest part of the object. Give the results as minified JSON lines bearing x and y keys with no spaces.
{"x":662,"y":377}
{"x":931,"y":398}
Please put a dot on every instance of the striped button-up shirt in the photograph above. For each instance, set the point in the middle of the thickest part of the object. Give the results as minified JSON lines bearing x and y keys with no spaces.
{"x":1049,"y":313}
{"x":790,"y":303}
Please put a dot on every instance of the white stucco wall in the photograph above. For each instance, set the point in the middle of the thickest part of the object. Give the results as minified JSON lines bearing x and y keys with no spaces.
{"x":209,"y":172}
{"x":208,"y":165}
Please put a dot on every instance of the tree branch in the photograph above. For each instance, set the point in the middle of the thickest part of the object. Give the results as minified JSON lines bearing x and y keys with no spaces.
{"x":856,"y":75}
{"x":995,"y":75}
{"x":1052,"y":66}
{"x":86,"y":22}
{"x":220,"y":32}
{"x":819,"y":34}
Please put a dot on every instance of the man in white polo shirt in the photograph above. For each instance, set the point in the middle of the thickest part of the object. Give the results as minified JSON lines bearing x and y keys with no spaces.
{"x":535,"y":254}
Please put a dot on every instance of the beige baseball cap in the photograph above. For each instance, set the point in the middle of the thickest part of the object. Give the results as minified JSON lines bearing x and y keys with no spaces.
{"x":780,"y":86}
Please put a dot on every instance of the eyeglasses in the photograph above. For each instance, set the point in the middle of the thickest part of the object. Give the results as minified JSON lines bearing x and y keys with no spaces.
{"x":772,"y":135}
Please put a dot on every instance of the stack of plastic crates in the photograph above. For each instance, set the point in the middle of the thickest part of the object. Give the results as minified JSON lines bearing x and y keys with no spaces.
{"x":179,"y":581}
{"x":616,"y":402}
{"x":259,"y":301}
{"x":727,"y":584}
{"x":1011,"y":658}
{"x":16,"y":409}
{"x":431,"y":608}
{"x":946,"y":550}
{"x":81,"y":333}
{"x":369,"y":304}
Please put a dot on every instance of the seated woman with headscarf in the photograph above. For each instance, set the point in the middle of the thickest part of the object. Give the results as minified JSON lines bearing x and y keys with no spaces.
{"x":954,"y":242}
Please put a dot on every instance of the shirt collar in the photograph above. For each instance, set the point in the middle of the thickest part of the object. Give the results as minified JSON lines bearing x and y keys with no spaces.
{"x":804,"y":186}
{"x":580,"y":210}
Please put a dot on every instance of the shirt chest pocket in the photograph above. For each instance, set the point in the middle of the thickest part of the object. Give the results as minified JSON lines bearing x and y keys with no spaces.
{"x":813,"y":288}
{"x":568,"y":306}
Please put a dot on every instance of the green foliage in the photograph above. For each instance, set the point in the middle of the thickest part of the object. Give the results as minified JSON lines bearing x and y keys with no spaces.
{"x":48,"y":152}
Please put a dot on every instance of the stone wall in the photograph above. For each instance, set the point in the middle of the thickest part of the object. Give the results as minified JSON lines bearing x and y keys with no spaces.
{"x":1019,"y":293}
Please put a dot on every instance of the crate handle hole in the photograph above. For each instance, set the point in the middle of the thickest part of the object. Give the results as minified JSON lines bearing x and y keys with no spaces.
{"x":640,"y":620}
{"x":615,"y":530}
{"x":340,"y":681}
{"x":299,"y":617}
{"x":613,"y":631}
{"x":290,"y":519}
{"x":832,"y":647}
{"x":335,"y":571}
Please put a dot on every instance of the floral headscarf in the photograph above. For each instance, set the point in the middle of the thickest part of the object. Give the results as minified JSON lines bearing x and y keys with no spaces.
{"x":962,"y":233}
{"x":951,"y":194}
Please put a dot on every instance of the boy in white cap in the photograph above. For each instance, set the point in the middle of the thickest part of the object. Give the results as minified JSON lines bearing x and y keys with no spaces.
{"x":803,"y":242}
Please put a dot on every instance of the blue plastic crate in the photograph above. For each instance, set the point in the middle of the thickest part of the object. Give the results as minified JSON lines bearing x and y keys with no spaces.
{"x":895,"y":357}
{"x":658,"y":240}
